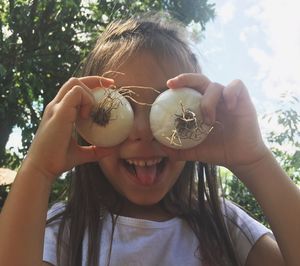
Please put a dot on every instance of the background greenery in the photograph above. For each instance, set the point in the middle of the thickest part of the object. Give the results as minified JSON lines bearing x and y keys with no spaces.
{"x":42,"y":43}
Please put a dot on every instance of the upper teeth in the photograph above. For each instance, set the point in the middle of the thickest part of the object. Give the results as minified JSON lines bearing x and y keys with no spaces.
{"x":144,"y":163}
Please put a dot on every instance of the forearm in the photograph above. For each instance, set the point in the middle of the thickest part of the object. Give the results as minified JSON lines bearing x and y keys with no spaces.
{"x":23,"y":218}
{"x":279,"y":198}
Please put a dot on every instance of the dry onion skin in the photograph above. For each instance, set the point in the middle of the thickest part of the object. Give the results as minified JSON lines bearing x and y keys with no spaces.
{"x":176,"y":120}
{"x":110,"y":121}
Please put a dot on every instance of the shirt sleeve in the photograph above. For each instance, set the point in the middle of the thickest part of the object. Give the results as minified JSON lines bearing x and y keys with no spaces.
{"x":244,"y":230}
{"x":51,"y":233}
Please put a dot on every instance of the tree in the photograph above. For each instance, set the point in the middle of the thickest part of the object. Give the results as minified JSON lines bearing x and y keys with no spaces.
{"x":42,"y":43}
{"x":285,"y":143}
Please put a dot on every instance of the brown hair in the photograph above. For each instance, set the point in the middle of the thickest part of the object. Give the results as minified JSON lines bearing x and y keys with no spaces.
{"x":194,"y":197}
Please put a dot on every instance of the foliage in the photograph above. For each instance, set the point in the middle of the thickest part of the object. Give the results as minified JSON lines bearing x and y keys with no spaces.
{"x":236,"y":191}
{"x":285,"y":143}
{"x":42,"y":43}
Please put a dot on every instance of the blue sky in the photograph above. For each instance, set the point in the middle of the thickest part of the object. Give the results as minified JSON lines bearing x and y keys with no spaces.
{"x":257,"y":41}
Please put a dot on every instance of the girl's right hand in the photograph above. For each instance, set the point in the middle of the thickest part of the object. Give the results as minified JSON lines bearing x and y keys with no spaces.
{"x":235,"y":141}
{"x":54,"y":150}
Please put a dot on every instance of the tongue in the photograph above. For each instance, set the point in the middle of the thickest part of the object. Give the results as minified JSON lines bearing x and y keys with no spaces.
{"x":146,"y":175}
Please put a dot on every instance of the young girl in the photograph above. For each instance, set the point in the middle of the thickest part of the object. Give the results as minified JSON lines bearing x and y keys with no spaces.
{"x":140,"y":203}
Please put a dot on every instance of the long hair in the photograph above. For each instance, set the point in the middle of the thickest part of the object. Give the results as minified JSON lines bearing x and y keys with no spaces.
{"x":194,"y":197}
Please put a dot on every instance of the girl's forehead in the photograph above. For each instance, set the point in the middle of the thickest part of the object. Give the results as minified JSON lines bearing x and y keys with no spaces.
{"x":145,"y":69}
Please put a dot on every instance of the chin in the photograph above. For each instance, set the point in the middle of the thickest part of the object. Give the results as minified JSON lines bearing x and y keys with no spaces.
{"x":144,"y":201}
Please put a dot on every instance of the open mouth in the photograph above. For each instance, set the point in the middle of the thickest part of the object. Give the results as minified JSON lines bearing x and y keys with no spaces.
{"x":146,"y":172}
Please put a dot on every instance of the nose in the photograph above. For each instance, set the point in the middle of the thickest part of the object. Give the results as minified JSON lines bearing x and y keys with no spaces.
{"x":141,"y":130}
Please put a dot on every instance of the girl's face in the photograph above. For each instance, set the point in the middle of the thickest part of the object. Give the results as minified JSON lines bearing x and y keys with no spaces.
{"x":139,"y":169}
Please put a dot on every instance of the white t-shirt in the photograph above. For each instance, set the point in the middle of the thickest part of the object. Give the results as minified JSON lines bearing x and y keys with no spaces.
{"x":139,"y":242}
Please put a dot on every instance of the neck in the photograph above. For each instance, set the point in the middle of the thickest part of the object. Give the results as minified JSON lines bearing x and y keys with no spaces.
{"x":152,"y":212}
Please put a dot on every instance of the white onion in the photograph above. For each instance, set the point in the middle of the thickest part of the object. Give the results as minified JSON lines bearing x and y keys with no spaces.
{"x":116,"y":129}
{"x":176,"y":120}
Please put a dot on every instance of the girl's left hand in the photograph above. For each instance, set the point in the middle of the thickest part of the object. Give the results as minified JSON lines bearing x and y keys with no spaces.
{"x":236,"y":138}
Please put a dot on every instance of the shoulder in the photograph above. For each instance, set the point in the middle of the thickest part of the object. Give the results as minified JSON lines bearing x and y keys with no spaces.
{"x":55,"y":210}
{"x":51,"y":233}
{"x":244,"y":230}
{"x":54,"y":218}
{"x":239,"y":222}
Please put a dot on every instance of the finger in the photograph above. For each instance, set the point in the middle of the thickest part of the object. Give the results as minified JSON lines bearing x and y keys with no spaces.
{"x":231,"y":94}
{"x":79,"y":101}
{"x":193,"y":80}
{"x":212,"y":92}
{"x":209,"y":102}
{"x":236,"y":93}
{"x":89,"y":82}
{"x":104,"y":82}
